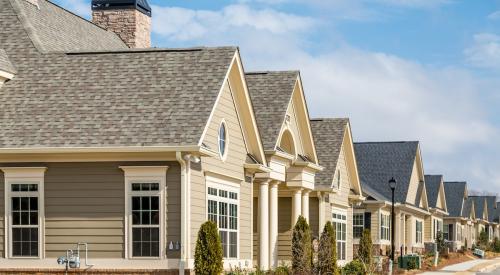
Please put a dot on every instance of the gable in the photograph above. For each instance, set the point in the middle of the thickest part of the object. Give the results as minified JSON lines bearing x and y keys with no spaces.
{"x":441,"y":199}
{"x":417,"y":176}
{"x":350,"y":161}
{"x":233,"y":107}
{"x":296,"y":122}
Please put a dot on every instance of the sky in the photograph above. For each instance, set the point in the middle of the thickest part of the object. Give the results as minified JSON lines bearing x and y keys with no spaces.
{"x":424,"y":70}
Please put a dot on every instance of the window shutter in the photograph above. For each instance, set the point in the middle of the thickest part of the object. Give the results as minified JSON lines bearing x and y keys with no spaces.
{"x":451,"y":236}
{"x":368,"y":220}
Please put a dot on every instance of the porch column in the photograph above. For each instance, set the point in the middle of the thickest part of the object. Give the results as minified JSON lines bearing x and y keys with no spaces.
{"x":296,"y":205}
{"x":264,"y":225}
{"x":305,"y":205}
{"x":273,"y":224}
{"x":321,"y":219}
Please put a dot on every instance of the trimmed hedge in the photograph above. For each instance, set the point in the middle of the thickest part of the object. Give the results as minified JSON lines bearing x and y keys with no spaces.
{"x":208,"y":252}
{"x":301,"y":247}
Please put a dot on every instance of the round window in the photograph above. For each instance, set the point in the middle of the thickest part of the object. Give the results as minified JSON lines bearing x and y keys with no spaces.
{"x":222,"y":140}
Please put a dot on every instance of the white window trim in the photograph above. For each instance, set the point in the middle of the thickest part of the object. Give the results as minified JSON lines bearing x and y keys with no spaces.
{"x":15,"y":175}
{"x":223,"y":157}
{"x":382,"y":213}
{"x":219,"y":183}
{"x":421,"y":232}
{"x":342,"y":212}
{"x":144,"y":174}
{"x":362,"y":222}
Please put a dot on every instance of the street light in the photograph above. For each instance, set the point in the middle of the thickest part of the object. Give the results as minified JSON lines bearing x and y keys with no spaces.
{"x":392,"y":185}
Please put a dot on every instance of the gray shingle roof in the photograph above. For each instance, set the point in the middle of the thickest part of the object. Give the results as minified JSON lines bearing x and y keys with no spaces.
{"x":328,"y":136}
{"x":5,"y":64}
{"x":379,"y":161}
{"x":432,"y":184}
{"x":271,"y":93}
{"x":136,"y":98}
{"x":478,"y":205}
{"x":467,"y":207}
{"x":53,"y":28}
{"x":455,"y":192}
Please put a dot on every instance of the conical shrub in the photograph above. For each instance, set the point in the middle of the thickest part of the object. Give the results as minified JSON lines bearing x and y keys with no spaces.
{"x":208,"y":252}
{"x":327,"y":254}
{"x":301,"y":248}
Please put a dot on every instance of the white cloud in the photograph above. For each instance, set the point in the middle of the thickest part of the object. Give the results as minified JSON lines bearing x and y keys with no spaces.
{"x":186,"y":24}
{"x":418,"y":4}
{"x":485,"y":51}
{"x":494,"y":16}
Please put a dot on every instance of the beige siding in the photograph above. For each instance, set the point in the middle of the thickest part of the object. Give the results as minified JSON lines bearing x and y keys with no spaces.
{"x":294,"y":127}
{"x":414,"y":183}
{"x":349,"y":251}
{"x":314,"y":216}
{"x":231,"y":167}
{"x":84,"y":202}
{"x":2,"y":214}
{"x":428,"y":228}
{"x":341,"y":198}
{"x":284,"y":229}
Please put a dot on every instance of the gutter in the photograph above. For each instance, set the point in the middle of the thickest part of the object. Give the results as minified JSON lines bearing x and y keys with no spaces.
{"x":113,"y":149}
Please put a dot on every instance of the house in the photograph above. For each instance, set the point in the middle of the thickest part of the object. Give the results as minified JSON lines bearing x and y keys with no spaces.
{"x":284,"y":192}
{"x":378,"y":162}
{"x":437,"y":206}
{"x":127,"y":150}
{"x":489,"y":220}
{"x":459,"y":224}
{"x":482,"y":217}
{"x":337,"y":187}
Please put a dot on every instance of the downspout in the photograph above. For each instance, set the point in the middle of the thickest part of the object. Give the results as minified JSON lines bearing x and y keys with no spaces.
{"x":185,"y":210}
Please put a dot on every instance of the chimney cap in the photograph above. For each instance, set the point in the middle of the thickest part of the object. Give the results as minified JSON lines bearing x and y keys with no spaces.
{"x":140,"y":5}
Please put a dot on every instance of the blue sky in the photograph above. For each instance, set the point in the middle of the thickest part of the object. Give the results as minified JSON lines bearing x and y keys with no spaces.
{"x":423,"y":70}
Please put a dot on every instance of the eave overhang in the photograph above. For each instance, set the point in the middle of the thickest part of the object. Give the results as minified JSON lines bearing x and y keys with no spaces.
{"x":256,"y":168}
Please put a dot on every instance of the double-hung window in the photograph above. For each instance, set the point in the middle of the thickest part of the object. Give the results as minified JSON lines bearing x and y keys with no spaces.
{"x":340,"y":224}
{"x":25,"y":211}
{"x":222,"y":209}
{"x":358,"y":224}
{"x":145,"y":217}
{"x":385,"y":226}
{"x":418,"y":231}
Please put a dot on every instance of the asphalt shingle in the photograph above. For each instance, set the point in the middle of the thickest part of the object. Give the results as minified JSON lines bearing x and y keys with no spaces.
{"x":455,"y":194}
{"x":271,"y":93}
{"x":380,"y":161}
{"x":433,"y":184}
{"x":328,"y":135}
{"x":5,"y":64}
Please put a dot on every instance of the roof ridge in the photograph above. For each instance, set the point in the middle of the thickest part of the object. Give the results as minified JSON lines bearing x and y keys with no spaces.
{"x":81,"y":17}
{"x":271,"y":72}
{"x":328,"y":118}
{"x":147,"y":50}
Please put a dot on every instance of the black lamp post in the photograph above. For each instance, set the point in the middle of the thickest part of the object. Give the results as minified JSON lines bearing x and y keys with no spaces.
{"x":392,"y":185}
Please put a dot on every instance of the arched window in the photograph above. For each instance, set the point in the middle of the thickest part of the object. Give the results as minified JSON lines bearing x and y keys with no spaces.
{"x":222,"y":140}
{"x":287,"y":144}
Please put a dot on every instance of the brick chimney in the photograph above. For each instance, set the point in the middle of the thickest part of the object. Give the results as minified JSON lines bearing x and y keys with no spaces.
{"x":129,"y":19}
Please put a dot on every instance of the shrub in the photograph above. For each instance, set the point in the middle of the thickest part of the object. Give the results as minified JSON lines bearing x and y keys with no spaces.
{"x":327,"y":255}
{"x":365,"y":248}
{"x":208,"y":251}
{"x":440,"y":241}
{"x":283,"y":269}
{"x":412,"y":263}
{"x":301,"y":247}
{"x":483,"y":239}
{"x":355,"y":267}
{"x":495,"y":246}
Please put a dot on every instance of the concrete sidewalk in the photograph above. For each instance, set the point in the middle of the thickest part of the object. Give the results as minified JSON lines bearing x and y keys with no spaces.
{"x":469,"y":267}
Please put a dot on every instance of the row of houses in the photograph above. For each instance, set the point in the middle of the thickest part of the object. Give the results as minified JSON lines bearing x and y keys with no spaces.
{"x":126,"y":149}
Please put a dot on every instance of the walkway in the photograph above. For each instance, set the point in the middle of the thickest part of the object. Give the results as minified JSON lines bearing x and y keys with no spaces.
{"x":469,"y":267}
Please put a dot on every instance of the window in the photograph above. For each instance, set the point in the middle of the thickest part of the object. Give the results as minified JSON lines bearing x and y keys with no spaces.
{"x":358,"y":220}
{"x":145,"y":198}
{"x":222,"y":140}
{"x":418,"y":231}
{"x":223,"y":210}
{"x":385,"y":227}
{"x":145,"y":211}
{"x":25,"y":211}
{"x":446,"y":232}
{"x":340,"y":224}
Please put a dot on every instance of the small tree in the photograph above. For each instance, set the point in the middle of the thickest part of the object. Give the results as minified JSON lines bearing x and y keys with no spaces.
{"x":327,"y":255}
{"x":440,"y":241}
{"x":483,"y":239}
{"x":208,"y":252}
{"x":365,"y":248}
{"x":301,"y":247}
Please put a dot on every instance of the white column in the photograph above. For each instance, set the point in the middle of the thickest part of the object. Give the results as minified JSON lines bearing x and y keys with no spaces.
{"x":322,"y":206}
{"x":273,"y":224}
{"x":264,"y":225}
{"x":296,"y":205}
{"x":305,"y":204}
